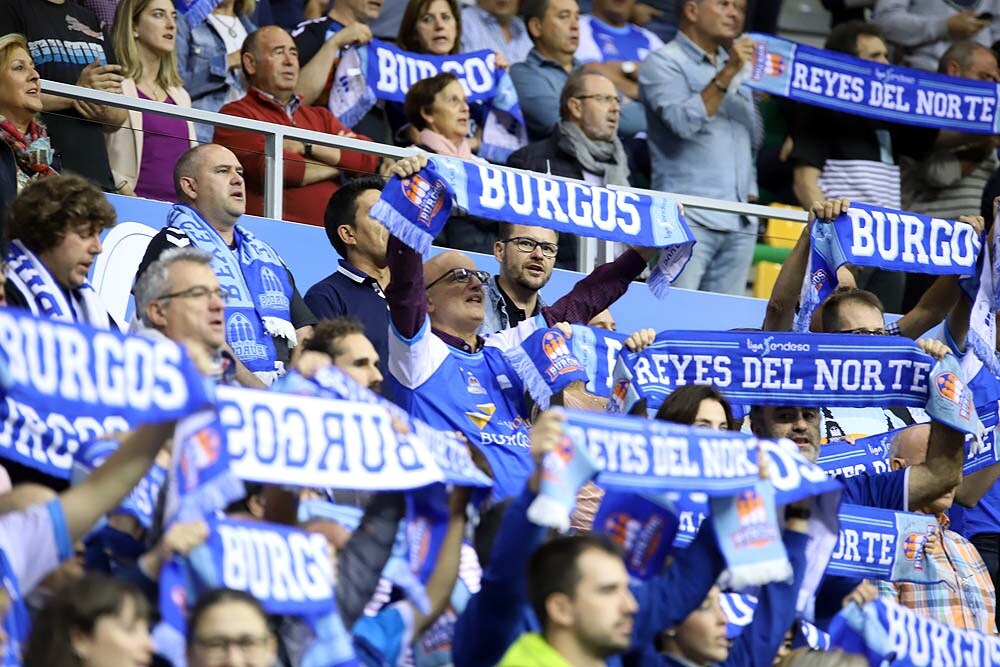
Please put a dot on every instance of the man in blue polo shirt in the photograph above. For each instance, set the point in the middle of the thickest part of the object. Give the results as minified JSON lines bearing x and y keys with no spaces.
{"x":355,"y":289}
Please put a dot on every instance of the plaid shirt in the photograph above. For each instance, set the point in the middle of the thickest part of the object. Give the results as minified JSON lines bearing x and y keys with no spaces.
{"x":965,"y":599}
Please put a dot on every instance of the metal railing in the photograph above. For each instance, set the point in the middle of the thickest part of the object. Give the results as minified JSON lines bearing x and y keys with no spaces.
{"x":274,"y":136}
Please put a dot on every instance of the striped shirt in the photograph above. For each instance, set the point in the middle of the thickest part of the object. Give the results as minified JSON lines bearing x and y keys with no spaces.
{"x":965,"y":599}
{"x":937,"y":188}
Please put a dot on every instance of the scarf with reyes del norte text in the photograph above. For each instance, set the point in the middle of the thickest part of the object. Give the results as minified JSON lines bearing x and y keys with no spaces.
{"x":894,"y":240}
{"x":260,"y":291}
{"x":859,"y":87}
{"x":631,"y":453}
{"x":888,"y":633}
{"x":380,"y":71}
{"x":46,"y":298}
{"x":415,"y":209}
{"x":288,"y":570}
{"x":813,"y":370}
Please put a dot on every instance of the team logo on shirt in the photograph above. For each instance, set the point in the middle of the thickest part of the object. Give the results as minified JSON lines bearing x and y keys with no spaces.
{"x":473,"y":386}
{"x":638,"y":539}
{"x":426,"y":196}
{"x":484,"y":412}
{"x":74,"y":23}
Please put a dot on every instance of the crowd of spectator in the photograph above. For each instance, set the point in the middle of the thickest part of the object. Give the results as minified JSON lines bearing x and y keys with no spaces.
{"x":616,"y":93}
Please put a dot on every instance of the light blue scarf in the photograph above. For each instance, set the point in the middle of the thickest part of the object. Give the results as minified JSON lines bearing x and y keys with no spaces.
{"x":260,"y":292}
{"x":866,"y":88}
{"x":881,"y":544}
{"x":381,"y":71}
{"x":597,"y":350}
{"x":888,"y":239}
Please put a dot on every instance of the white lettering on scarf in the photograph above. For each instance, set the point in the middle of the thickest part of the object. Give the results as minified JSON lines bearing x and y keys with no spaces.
{"x":271,"y":567}
{"x":901,"y":237}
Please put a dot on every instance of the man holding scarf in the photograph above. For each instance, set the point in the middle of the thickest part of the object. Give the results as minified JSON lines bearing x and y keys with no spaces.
{"x":265,"y":314}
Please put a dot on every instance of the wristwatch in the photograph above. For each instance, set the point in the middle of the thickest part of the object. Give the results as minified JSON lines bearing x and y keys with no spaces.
{"x":629,"y":67}
{"x":308,"y":152}
{"x":718,"y":84}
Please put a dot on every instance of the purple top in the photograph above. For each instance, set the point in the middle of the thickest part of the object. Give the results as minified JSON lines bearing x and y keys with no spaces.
{"x":164,"y":141}
{"x":592,"y":294}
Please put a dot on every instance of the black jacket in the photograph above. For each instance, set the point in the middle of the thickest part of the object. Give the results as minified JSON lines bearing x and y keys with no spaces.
{"x":8,"y":183}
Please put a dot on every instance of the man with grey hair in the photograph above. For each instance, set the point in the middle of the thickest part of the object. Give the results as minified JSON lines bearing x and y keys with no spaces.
{"x":178,"y":296}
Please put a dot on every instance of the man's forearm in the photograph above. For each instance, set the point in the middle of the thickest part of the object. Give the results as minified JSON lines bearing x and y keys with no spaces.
{"x":405,"y":291}
{"x":941,"y":470}
{"x":597,"y":291}
{"x":315,"y":73}
{"x":780,"y":313}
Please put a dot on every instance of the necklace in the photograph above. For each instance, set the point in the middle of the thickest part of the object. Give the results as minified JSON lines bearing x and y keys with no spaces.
{"x":230,"y":27}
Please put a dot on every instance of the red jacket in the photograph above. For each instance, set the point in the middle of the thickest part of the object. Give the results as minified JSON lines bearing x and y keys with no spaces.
{"x":302,"y":203}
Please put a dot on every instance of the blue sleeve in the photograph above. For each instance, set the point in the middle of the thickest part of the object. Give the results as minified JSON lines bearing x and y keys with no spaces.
{"x":496,"y":615}
{"x":539,"y":99}
{"x":885,"y":490}
{"x":775,"y":612}
{"x":64,"y":543}
{"x":199,"y":79}
{"x":379,"y":640}
{"x":633,"y":119}
{"x":667,"y":600}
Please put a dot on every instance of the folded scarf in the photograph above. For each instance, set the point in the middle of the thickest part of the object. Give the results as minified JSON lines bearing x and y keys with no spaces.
{"x":32,"y":150}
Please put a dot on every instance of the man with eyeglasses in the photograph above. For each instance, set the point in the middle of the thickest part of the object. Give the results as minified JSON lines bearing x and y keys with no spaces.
{"x":442,"y":371}
{"x":526,"y":256}
{"x":178,"y":296}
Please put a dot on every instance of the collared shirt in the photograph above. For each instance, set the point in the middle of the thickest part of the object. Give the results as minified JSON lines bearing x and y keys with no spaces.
{"x":289,"y":107}
{"x":501,"y":311}
{"x":350,"y":292}
{"x":966,"y":599}
{"x":693,"y":152}
{"x":481,"y":30}
{"x":539,"y":83}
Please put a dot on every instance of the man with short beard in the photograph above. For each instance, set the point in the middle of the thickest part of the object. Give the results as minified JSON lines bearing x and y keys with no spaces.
{"x":527,"y":256}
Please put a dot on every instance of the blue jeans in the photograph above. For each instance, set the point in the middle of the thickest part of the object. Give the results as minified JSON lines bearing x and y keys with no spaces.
{"x":720,"y":261}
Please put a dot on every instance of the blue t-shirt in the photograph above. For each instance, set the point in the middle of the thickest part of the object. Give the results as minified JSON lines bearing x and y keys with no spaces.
{"x":478,"y":394}
{"x":600,"y":42}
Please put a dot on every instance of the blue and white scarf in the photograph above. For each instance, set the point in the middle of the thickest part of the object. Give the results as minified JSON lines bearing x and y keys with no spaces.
{"x":546,"y":364}
{"x":381,"y":71}
{"x":888,"y":633}
{"x":78,"y":370}
{"x":796,"y":369}
{"x":873,"y":236}
{"x":46,"y":298}
{"x":411,"y":209}
{"x":881,"y":544}
{"x":982,"y":367}
{"x":629,"y":454}
{"x":597,"y":349}
{"x":642,"y":527}
{"x":260,"y":292}
{"x":289,"y":571}
{"x":865,"y":88}
{"x":739,"y":610}
{"x":140,"y":503}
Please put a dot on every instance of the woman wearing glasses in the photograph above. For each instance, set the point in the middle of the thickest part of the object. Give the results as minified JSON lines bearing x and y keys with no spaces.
{"x":226,"y":622}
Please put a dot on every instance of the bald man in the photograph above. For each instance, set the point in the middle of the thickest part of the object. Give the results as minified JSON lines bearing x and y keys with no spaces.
{"x":442,"y":371}
{"x":966,"y":598}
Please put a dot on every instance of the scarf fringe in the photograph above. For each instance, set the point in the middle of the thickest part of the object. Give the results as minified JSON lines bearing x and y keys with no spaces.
{"x":402,"y":228}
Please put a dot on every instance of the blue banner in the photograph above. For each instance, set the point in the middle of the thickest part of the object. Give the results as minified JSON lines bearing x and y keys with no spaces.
{"x":868,"y":455}
{"x":866,"y":88}
{"x":881,"y":544}
{"x":597,"y":350}
{"x":884,"y":631}
{"x":895,"y":240}
{"x":82,"y":371}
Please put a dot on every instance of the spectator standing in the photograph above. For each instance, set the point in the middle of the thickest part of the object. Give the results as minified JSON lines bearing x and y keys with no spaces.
{"x":25,"y":152}
{"x":657,"y":16}
{"x":920,"y":31}
{"x":312,"y":173}
{"x":143,"y":150}
{"x":356,"y":288}
{"x":837,"y":155}
{"x":68,"y":45}
{"x":842,"y":11}
{"x":526,"y":256}
{"x":701,"y":125}
{"x":210,"y":189}
{"x":495,"y":25}
{"x":208,"y":57}
{"x":614,"y":47}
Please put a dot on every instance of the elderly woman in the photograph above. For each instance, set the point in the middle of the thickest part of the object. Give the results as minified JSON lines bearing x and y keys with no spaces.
{"x":437,"y":109}
{"x":25,"y":154}
{"x":208,"y":57}
{"x":143,"y":151}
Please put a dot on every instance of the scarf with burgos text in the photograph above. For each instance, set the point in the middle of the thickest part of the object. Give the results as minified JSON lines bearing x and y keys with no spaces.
{"x":888,"y":633}
{"x":632,"y":453}
{"x":893,"y":240}
{"x":380,"y":71}
{"x":415,"y":209}
{"x":289,"y":571}
{"x":759,"y":368}
{"x":875,"y":90}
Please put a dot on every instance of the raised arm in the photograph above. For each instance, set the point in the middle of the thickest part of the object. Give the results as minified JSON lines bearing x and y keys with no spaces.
{"x":442,"y":581}
{"x":405,"y":292}
{"x":600,"y":289}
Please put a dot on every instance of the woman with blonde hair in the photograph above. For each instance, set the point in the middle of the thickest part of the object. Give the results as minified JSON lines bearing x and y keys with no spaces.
{"x":208,"y":57}
{"x":143,"y":151}
{"x":25,"y":152}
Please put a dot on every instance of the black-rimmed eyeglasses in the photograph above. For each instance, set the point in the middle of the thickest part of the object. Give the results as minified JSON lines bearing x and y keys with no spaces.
{"x":461,"y":276}
{"x":528,"y":245}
